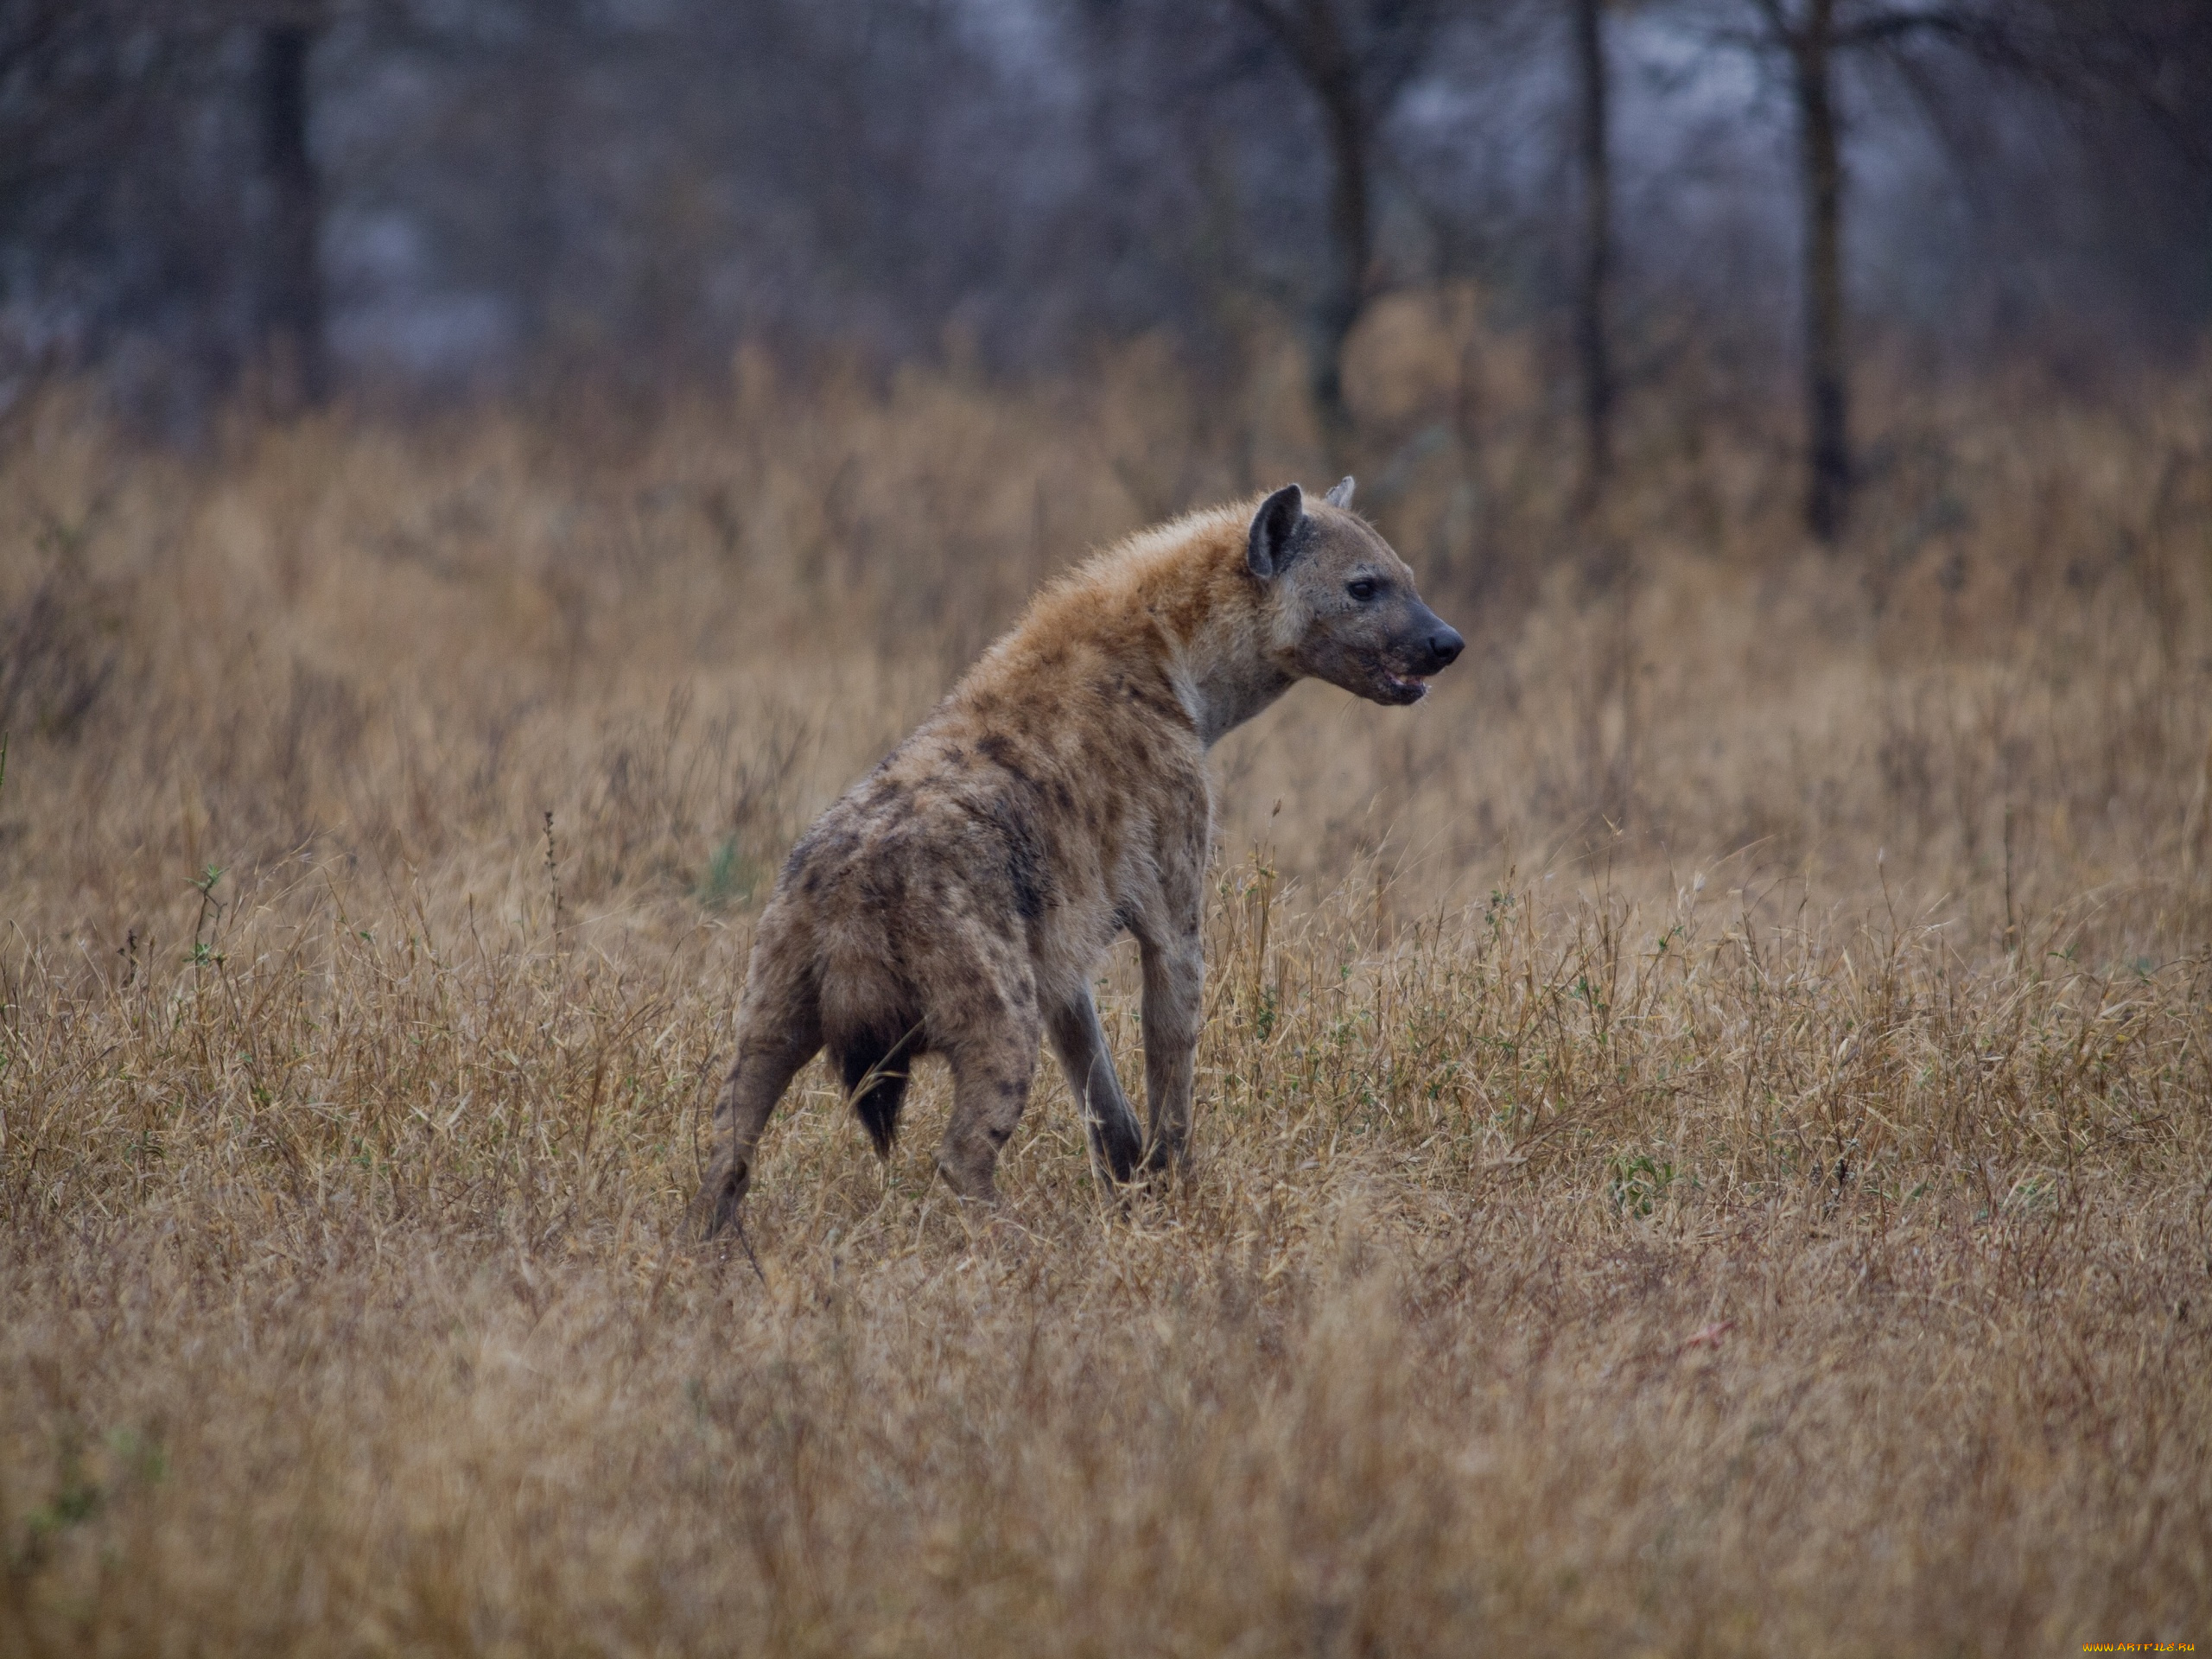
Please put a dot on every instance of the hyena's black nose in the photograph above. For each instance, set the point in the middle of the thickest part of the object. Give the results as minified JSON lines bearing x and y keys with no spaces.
{"x":1445,"y":646}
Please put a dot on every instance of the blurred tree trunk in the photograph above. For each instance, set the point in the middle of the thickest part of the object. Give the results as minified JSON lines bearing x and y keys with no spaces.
{"x":1351,"y":245}
{"x":1593,"y":300}
{"x":543,"y":66}
{"x":1820,"y":161}
{"x":1313,"y":40}
{"x":1804,"y":37}
{"x":292,"y":292}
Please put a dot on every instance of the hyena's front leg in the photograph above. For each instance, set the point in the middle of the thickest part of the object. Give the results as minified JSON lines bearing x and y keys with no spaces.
{"x":1174,"y":988}
{"x":1080,"y":1042}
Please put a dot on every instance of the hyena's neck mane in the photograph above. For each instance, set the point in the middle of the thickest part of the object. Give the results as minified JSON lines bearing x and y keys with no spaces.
{"x":1179,"y":599}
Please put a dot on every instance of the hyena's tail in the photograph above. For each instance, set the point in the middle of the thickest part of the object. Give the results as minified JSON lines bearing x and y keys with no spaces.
{"x":875,"y":1069}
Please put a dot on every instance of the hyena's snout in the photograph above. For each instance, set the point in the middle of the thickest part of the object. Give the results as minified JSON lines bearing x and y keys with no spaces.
{"x":1423,"y":644}
{"x":1437,"y":644}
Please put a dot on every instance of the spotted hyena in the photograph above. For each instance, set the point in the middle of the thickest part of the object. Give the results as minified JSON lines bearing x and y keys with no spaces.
{"x":958,"y":900}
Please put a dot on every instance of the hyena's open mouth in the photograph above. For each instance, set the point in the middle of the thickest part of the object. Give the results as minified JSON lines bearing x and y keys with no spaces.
{"x":1402,"y":688}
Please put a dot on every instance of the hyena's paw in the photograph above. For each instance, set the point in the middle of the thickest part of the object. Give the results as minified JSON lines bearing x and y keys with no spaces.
{"x":714,"y":1211}
{"x":1166,"y":1161}
{"x":1119,"y":1150}
{"x":971,"y":1178}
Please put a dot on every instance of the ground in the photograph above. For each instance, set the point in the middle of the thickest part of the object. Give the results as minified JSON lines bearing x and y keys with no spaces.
{"x":1702,"y":1141}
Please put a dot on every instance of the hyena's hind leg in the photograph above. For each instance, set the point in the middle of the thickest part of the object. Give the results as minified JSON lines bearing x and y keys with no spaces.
{"x":781,"y":1033}
{"x":992,"y":1064}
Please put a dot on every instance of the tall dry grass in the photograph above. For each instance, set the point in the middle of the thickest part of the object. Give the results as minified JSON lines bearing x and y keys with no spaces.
{"x":1703,"y":1143}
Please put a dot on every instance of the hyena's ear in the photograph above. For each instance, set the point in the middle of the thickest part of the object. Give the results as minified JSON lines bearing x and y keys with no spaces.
{"x":1341,"y":496}
{"x":1273,"y":541}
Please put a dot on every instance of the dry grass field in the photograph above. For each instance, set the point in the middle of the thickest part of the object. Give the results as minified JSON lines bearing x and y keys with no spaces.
{"x":1704,"y":1137}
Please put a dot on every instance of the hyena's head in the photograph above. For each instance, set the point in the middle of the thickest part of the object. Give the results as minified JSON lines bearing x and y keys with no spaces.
{"x":1341,"y":605}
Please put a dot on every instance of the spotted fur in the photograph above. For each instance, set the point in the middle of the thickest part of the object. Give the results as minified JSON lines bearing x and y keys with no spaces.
{"x":956,"y":900}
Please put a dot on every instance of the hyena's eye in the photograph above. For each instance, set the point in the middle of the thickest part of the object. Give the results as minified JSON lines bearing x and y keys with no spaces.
{"x":1363,"y":589}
